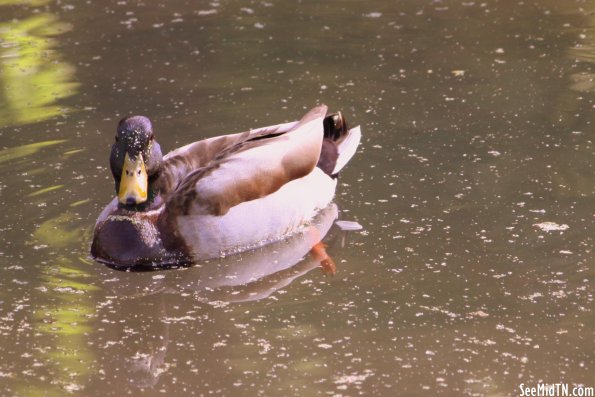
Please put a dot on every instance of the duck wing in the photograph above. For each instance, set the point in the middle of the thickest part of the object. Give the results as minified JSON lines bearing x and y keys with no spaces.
{"x":248,"y":166}
{"x":181,"y":162}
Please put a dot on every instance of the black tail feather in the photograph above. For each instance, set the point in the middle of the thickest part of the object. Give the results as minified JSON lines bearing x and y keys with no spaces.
{"x":335,"y":127}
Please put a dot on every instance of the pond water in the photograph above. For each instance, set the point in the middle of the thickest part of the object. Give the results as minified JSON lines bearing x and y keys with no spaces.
{"x":474,"y":184}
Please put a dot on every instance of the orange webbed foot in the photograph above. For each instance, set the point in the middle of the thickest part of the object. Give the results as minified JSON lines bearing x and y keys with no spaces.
{"x":327,"y":264}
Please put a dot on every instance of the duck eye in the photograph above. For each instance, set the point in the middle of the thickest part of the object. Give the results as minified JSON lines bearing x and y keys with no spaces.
{"x":138,"y":172}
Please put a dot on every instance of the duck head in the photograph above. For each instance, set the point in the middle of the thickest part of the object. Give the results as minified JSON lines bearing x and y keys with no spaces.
{"x":135,"y":158}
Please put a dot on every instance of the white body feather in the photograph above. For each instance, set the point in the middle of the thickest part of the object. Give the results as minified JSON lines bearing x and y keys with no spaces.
{"x":258,"y":222}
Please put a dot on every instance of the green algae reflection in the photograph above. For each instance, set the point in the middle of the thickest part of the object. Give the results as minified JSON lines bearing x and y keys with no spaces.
{"x":24,"y":2}
{"x":33,"y":78}
{"x":19,"y":152}
{"x":64,"y":322}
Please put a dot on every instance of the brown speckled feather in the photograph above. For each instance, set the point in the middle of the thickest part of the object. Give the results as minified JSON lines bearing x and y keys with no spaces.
{"x":179,"y":163}
{"x":233,"y":169}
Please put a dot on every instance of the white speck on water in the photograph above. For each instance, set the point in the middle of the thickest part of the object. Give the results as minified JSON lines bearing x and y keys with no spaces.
{"x":551,"y":226}
{"x":486,"y":342}
{"x":218,"y":304}
{"x":259,"y":25}
{"x":501,"y":327}
{"x":169,"y":320}
{"x":348,"y":225}
{"x":264,"y":345}
{"x":353,"y":378}
{"x":68,"y":290}
{"x":72,"y":387}
{"x":532,"y":296}
{"x":373,"y":15}
{"x":479,"y":313}
{"x":494,"y":153}
{"x":207,"y":12}
{"x":158,"y":276}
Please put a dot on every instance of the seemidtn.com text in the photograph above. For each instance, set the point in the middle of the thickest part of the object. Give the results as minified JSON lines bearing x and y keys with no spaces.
{"x":556,"y":390}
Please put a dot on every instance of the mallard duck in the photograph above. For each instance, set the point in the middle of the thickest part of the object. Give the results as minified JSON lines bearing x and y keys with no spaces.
{"x":218,"y":196}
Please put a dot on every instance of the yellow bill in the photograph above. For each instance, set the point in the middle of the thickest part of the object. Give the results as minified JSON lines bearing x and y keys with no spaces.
{"x":134,"y":181}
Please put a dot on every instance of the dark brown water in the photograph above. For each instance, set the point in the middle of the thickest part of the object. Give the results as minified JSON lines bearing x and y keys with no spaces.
{"x":477,"y":121}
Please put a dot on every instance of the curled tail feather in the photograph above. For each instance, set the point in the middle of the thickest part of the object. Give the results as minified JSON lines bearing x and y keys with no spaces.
{"x":339,"y":145}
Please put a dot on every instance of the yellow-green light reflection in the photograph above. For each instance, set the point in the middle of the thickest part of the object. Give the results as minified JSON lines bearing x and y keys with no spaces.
{"x":66,"y":320}
{"x":33,"y":78}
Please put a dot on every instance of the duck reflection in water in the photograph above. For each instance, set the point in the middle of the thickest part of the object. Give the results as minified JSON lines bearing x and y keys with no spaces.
{"x":245,"y":277}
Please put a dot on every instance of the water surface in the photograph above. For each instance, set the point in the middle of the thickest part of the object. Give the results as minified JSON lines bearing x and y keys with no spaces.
{"x":474,"y":185}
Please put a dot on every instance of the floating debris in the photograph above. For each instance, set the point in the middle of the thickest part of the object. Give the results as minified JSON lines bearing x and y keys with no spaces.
{"x":353,"y":378}
{"x":551,"y":226}
{"x":207,"y":12}
{"x":479,"y":313}
{"x":349,"y":225}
